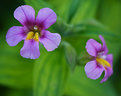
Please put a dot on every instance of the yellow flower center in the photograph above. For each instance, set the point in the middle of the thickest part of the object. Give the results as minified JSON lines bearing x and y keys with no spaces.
{"x":34,"y":34}
{"x":103,"y":62}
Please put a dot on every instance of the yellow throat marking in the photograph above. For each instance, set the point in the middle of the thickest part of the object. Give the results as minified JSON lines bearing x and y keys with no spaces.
{"x":103,"y":62}
{"x":32,"y":35}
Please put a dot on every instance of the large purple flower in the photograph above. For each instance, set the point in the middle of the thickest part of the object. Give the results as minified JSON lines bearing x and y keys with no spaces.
{"x":101,"y":61}
{"x":33,"y":31}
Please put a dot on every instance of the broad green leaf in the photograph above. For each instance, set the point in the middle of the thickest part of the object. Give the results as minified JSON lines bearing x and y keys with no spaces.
{"x":15,"y":71}
{"x":86,"y":10}
{"x":70,"y":54}
{"x":89,"y":27}
{"x":50,"y":73}
{"x":74,"y":5}
{"x":112,"y":19}
{"x":79,"y":85}
{"x":37,"y":4}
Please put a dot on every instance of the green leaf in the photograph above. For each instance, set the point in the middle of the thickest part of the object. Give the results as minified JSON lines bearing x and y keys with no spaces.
{"x":79,"y":85}
{"x":37,"y":4}
{"x":74,"y":5}
{"x":70,"y":54}
{"x":89,"y":27}
{"x":112,"y":19}
{"x":86,"y":10}
{"x":50,"y":74}
{"x":15,"y":71}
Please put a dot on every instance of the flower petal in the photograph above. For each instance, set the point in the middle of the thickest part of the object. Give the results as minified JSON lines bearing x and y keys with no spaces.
{"x":108,"y":70}
{"x":50,"y":40}
{"x":109,"y":58}
{"x":108,"y":73}
{"x":30,"y":49}
{"x":25,"y":15}
{"x":92,"y":70}
{"x":93,"y":47}
{"x":14,"y":35}
{"x":104,"y":44}
{"x":45,"y":18}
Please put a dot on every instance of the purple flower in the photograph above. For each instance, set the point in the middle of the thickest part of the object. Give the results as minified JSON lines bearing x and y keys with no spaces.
{"x":101,"y":61}
{"x":33,"y":31}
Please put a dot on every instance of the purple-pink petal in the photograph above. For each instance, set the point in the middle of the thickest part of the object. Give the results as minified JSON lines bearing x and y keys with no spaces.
{"x":108,"y":73}
{"x":109,"y":58}
{"x":30,"y":49}
{"x":50,"y":40}
{"x":14,"y":35}
{"x":93,"y":71}
{"x":108,"y":70}
{"x":45,"y":18}
{"x":25,"y":15}
{"x":93,"y":47}
{"x":105,"y":49}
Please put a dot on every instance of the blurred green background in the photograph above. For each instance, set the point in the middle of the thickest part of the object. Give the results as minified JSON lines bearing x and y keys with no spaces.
{"x":61,"y":72}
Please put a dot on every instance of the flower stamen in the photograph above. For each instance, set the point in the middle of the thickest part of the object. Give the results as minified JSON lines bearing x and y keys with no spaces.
{"x":32,"y":35}
{"x":103,"y":62}
{"x":36,"y":37}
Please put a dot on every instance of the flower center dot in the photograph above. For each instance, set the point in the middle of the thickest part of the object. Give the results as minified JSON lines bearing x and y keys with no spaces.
{"x":35,"y":28}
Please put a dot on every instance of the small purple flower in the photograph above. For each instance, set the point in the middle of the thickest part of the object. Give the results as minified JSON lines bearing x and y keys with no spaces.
{"x":101,"y":61}
{"x":33,"y":31}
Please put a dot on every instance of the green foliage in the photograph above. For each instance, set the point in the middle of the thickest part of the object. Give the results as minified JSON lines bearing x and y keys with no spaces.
{"x":79,"y":85}
{"x":15,"y":71}
{"x":70,"y":54}
{"x":86,"y":9}
{"x":50,"y":73}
